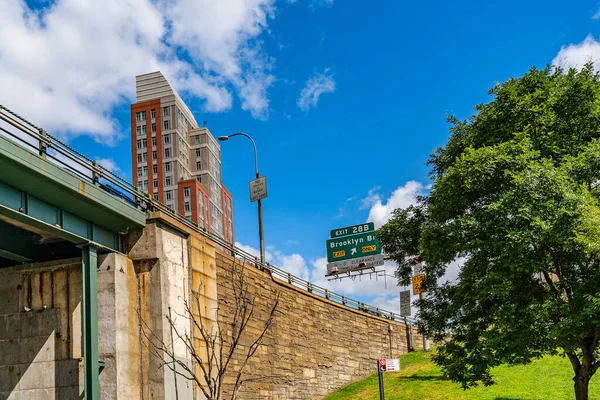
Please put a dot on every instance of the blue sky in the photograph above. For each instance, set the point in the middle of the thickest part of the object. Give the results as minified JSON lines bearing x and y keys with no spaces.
{"x":345,"y":99}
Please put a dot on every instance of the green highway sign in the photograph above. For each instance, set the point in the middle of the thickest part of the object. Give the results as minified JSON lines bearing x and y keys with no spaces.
{"x":352,"y":230}
{"x":354,"y":246}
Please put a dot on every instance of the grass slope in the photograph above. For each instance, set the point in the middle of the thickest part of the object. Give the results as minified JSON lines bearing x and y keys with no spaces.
{"x":549,"y":378}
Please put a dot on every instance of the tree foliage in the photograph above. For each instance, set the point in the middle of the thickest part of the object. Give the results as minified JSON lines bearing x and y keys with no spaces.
{"x":515,"y":194}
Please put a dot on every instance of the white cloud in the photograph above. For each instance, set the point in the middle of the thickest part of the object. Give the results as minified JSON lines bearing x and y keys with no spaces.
{"x":313,"y":89}
{"x":576,"y":55}
{"x":402,"y":197}
{"x":67,"y":66}
{"x":110,"y":165}
{"x":596,"y":15}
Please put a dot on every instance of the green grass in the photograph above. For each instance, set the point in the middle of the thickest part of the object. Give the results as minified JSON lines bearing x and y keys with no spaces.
{"x":549,"y":378}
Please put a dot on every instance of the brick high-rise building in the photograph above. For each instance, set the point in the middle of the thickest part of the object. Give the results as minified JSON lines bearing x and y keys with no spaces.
{"x":175,"y":160}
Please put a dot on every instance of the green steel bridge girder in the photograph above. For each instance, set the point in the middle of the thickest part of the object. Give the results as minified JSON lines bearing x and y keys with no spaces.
{"x":53,"y":186}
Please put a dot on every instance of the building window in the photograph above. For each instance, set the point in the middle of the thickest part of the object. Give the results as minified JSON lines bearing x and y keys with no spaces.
{"x":139,"y":158}
{"x":168,"y":194}
{"x":197,"y":152}
{"x":140,"y":185}
{"x":139,"y":144}
{"x":155,"y":183}
{"x":154,"y":141}
{"x":197,"y":139}
{"x":144,"y":143}
{"x":198,"y":165}
{"x":145,"y":171}
{"x":138,"y":116}
{"x":186,"y":206}
{"x":155,"y":196}
{"x":138,"y":130}
{"x":186,"y":192}
{"x":144,"y":129}
{"x":145,"y":185}
{"x":167,"y":152}
{"x":165,"y":125}
{"x":154,"y":154}
{"x":139,"y":171}
{"x":168,"y":181}
{"x":143,"y":115}
{"x":153,"y":113}
{"x":144,"y":157}
{"x":167,"y":139}
{"x":154,"y":169}
{"x":168,"y":167}
{"x":165,"y":110}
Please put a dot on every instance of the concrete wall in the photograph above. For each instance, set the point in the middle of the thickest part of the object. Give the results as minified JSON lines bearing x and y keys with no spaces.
{"x":40,"y":331}
{"x":315,"y":346}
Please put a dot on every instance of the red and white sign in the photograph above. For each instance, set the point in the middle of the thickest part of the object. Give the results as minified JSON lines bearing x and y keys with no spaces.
{"x":389,"y":364}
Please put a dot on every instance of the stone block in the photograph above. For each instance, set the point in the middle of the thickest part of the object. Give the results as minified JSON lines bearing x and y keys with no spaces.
{"x":37,"y":394}
{"x":37,"y":349}
{"x":67,"y":372}
{"x":9,"y":351}
{"x":37,"y":375}
{"x":9,"y":378}
{"x":10,"y":295}
{"x":10,"y":326}
{"x":39,"y":323}
{"x":69,"y":393}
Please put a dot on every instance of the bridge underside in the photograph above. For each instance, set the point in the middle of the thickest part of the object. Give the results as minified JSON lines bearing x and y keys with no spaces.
{"x":48,"y":212}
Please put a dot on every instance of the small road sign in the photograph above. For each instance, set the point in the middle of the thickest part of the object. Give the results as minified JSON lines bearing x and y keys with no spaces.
{"x":389,"y":365}
{"x":354,"y":246}
{"x":417,"y":269}
{"x":352,"y":230}
{"x":417,"y":280}
{"x":258,"y":188}
{"x":405,"y":303}
{"x":355,"y":264}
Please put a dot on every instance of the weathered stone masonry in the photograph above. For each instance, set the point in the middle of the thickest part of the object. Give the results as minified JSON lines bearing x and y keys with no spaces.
{"x":316,"y":345}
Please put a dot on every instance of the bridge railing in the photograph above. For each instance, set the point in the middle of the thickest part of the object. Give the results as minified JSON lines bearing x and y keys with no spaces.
{"x":41,"y":142}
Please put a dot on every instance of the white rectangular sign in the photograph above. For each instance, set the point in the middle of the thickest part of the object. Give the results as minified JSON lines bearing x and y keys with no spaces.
{"x":405,"y":303}
{"x":389,"y":364}
{"x":418,"y":269}
{"x":258,"y":188}
{"x":355,"y":264}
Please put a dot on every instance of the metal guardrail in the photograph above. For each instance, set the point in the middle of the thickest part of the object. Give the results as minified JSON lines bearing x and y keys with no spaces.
{"x":77,"y":163}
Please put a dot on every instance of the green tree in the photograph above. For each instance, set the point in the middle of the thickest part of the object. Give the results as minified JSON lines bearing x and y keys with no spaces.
{"x":515,"y":196}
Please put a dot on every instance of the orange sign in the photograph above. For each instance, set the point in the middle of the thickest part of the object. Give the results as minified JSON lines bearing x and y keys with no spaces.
{"x":417,"y":280}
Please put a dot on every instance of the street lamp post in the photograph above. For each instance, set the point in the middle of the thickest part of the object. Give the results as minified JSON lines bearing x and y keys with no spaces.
{"x":260,"y":223}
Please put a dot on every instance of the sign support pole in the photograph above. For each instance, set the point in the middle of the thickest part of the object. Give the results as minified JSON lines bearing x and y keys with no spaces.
{"x":381,"y":394}
{"x":425,"y":341}
{"x":260,"y":224}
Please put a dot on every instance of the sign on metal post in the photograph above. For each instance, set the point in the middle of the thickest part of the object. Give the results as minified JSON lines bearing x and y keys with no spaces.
{"x":353,"y":248}
{"x":389,"y":365}
{"x":352,"y":230}
{"x":417,"y":280}
{"x":258,"y":188}
{"x":405,"y":310}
